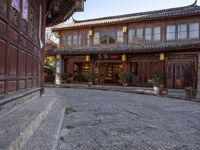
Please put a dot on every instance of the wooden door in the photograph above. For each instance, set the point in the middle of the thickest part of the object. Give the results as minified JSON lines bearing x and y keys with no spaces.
{"x":180,"y":74}
{"x":170,"y":75}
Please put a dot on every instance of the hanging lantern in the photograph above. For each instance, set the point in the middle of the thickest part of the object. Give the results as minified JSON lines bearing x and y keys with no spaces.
{"x":58,"y":56}
{"x":123,"y":57}
{"x":87,"y":58}
{"x":125,"y":29}
{"x":90,"y":33}
{"x":162,"y":56}
{"x":79,"y":5}
{"x":57,"y":35}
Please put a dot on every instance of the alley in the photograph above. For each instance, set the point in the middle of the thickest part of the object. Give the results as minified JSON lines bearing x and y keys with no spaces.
{"x":105,"y":120}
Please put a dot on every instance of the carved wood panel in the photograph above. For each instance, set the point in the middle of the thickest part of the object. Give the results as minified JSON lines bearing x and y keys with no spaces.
{"x":22,"y":84}
{"x":3,"y":6}
{"x":1,"y":87}
{"x":12,"y":52}
{"x":19,"y":60}
{"x":29,"y":65}
{"x":21,"y":63}
{"x":30,"y":21}
{"x":12,"y":86}
{"x":15,"y":16}
{"x":2,"y":28}
{"x":181,"y":72}
{"x":2,"y":57}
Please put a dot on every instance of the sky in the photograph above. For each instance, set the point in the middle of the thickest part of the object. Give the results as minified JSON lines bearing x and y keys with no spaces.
{"x":103,"y":8}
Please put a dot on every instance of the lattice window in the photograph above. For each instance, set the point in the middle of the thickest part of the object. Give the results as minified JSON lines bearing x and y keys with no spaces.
{"x":25,"y":10}
{"x":3,"y":6}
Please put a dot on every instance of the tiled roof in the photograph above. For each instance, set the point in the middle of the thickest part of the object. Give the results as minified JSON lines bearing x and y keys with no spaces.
{"x":66,"y":10}
{"x":150,"y":15}
{"x":129,"y":48}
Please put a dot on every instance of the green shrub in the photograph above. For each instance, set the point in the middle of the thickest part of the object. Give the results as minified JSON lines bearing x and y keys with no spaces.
{"x":124,"y":77}
{"x":155,"y":81}
{"x":89,"y":76}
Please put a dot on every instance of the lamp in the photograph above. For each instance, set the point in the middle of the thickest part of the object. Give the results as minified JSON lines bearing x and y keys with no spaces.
{"x":58,"y":56}
{"x":125,"y":29}
{"x":162,"y":56}
{"x":57,"y":35}
{"x":87,"y":58}
{"x":79,"y":5}
{"x":123,"y":57}
{"x":90,"y":33}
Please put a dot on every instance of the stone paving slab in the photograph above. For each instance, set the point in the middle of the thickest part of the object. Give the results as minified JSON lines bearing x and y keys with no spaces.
{"x":19,"y":121}
{"x":126,"y":121}
{"x":47,"y":135}
{"x":172,"y":93}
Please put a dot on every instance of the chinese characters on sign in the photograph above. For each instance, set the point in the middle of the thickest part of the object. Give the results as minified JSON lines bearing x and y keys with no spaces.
{"x":108,"y":56}
{"x":25,"y":10}
{"x":15,"y":4}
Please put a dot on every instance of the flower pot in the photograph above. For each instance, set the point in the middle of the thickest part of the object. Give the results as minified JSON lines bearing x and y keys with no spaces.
{"x":156,"y":90}
{"x":190,"y":94}
{"x":125,"y":84}
{"x":90,"y":83}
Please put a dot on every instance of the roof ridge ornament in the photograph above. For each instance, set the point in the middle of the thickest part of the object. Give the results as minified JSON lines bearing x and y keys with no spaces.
{"x":74,"y":20}
{"x":195,"y":3}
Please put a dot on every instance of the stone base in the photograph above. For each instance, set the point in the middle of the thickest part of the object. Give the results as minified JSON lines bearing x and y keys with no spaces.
{"x":18,"y":99}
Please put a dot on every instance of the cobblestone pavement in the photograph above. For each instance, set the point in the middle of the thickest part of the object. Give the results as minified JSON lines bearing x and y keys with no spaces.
{"x":105,"y":120}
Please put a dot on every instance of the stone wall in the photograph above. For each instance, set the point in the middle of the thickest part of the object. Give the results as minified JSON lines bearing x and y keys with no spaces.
{"x":18,"y":99}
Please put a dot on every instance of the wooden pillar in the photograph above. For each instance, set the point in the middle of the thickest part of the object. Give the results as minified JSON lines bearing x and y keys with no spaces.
{"x":42,"y":25}
{"x":58,"y":79}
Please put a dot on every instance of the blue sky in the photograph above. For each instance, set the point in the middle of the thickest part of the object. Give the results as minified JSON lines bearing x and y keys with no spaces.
{"x":103,"y":8}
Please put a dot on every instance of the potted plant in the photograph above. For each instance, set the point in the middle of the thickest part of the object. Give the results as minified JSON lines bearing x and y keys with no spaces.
{"x":155,"y":81}
{"x":190,"y":92}
{"x":124,"y":78}
{"x":64,"y":77}
{"x":89,"y":76}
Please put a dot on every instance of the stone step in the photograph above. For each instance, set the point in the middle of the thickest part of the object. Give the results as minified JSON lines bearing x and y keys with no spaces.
{"x":17,"y":128}
{"x":47,"y":135}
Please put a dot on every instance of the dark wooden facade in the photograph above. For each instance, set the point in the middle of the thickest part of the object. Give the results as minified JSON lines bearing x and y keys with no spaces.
{"x":22,"y":39}
{"x":173,"y":33}
{"x":20,"y":66}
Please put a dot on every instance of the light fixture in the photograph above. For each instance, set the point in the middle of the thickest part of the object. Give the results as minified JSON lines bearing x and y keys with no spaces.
{"x":90,"y":33}
{"x":124,"y":29}
{"x":123,"y":57}
{"x":87,"y":58}
{"x":162,"y":56}
{"x":57,"y":35}
{"x":79,"y":5}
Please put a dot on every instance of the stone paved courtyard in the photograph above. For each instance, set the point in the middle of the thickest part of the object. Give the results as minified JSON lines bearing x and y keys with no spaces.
{"x":105,"y":120}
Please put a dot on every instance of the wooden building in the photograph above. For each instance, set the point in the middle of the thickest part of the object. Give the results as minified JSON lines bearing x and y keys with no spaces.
{"x":164,"y":42}
{"x":22,"y":38}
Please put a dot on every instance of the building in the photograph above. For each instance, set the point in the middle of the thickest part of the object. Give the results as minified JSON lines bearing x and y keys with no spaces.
{"x":164,"y":42}
{"x":22,"y":38}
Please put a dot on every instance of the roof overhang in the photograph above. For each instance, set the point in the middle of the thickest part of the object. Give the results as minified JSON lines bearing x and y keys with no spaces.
{"x":59,"y":11}
{"x":140,"y":48}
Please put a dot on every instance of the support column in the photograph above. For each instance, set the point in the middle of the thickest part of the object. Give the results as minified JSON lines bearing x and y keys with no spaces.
{"x":58,"y":69}
{"x":198,"y":77}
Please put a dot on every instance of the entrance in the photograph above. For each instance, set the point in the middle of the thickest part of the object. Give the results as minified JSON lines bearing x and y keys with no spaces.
{"x":181,"y":74}
{"x":108,"y":73}
{"x":78,"y":70}
{"x":134,"y":78}
{"x":142,"y":70}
